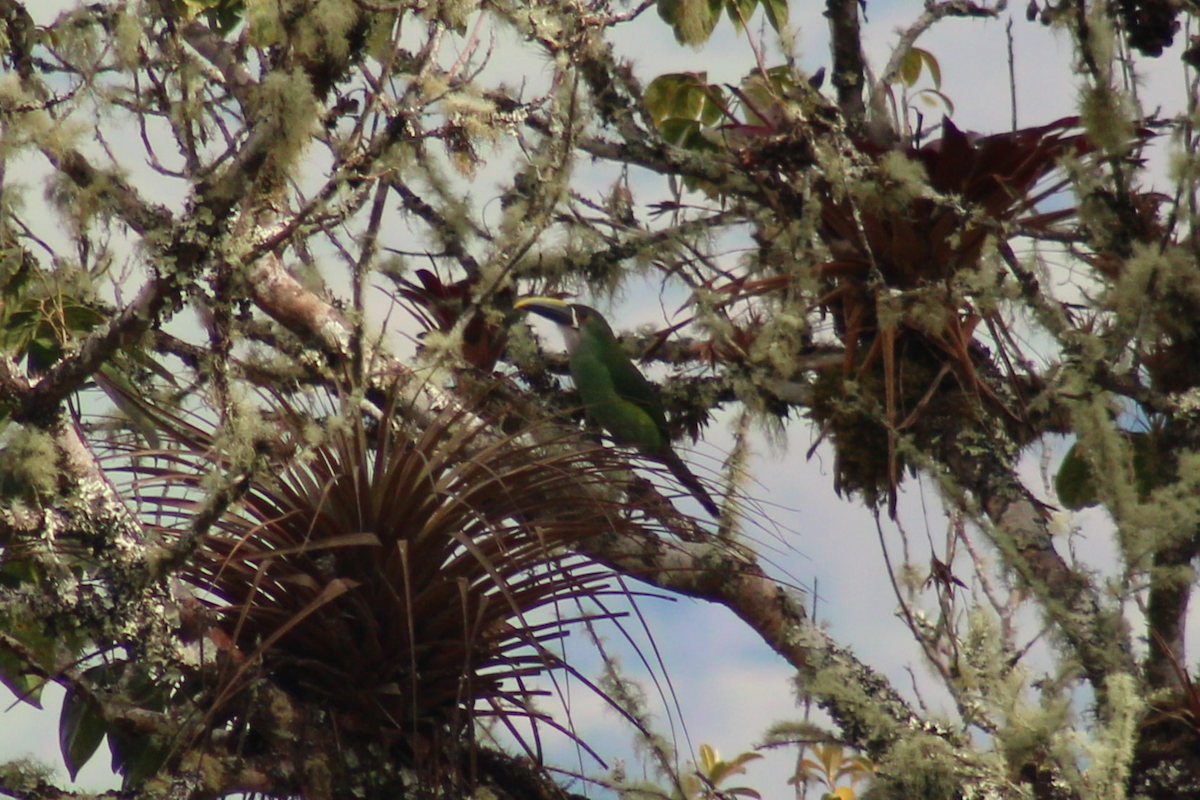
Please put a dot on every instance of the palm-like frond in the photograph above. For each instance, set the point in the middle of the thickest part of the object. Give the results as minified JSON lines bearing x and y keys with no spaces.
{"x":405,"y":579}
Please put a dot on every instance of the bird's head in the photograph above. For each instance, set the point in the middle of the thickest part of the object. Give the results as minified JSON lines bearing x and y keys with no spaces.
{"x":571,"y":318}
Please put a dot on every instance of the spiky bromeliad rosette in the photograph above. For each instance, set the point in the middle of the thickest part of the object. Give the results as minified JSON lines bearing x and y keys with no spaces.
{"x":392,"y":579}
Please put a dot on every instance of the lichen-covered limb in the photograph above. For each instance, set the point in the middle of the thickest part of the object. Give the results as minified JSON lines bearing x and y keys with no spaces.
{"x":157,"y":298}
{"x":870,"y":714}
{"x":177,"y":250}
{"x":715,"y":572}
{"x":210,"y":767}
{"x":25,"y":780}
{"x":1019,"y":528}
{"x":1166,"y":614}
{"x":88,"y":511}
{"x":143,"y":217}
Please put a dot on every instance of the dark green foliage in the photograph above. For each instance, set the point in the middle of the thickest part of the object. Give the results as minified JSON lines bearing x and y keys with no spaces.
{"x":81,"y":729}
{"x":1076,"y":488}
{"x":693,"y":21}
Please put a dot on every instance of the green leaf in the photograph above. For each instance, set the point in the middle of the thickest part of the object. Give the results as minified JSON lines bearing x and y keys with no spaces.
{"x":712,"y":109}
{"x":683,"y":103}
{"x":924,"y":94}
{"x":739,"y":10}
{"x":137,"y":757}
{"x":80,"y":319}
{"x":910,"y":67}
{"x":81,"y":728}
{"x":43,"y":352}
{"x":915,"y":61}
{"x":935,"y":71}
{"x":676,"y":94}
{"x":685,"y":133}
{"x":25,"y":686}
{"x":1073,"y":483}
{"x":777,"y":13}
{"x":691,"y":20}
{"x":667,"y":92}
{"x":21,"y":319}
{"x":1076,"y":488}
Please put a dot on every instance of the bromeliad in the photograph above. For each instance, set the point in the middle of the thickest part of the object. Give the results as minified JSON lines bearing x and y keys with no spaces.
{"x":614,"y":393}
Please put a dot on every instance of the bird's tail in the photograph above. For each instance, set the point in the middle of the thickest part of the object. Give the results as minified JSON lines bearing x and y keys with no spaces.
{"x":690,"y":482}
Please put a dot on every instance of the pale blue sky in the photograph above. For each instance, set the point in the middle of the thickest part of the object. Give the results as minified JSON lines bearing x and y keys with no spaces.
{"x":731,"y":686}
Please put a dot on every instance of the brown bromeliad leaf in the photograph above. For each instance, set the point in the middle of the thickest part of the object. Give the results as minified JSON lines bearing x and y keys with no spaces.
{"x":906,"y":324}
{"x":440,"y":307}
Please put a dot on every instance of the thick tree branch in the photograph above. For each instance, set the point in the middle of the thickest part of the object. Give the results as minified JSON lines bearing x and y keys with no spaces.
{"x":849,"y":65}
{"x":127,"y":205}
{"x":714,"y":572}
{"x":1171,"y":584}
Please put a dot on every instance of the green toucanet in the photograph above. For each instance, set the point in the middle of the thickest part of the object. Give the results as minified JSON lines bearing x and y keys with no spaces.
{"x":616,"y":395}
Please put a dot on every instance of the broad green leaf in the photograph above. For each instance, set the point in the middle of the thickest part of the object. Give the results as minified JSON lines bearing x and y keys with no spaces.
{"x":935,"y":71}
{"x":910,"y":67}
{"x":781,"y":77}
{"x":763,"y":96}
{"x":777,"y":13}
{"x":677,"y":131}
{"x":80,"y":319}
{"x":1076,"y":488}
{"x":25,"y":687}
{"x":682,"y":105}
{"x":40,"y":327}
{"x":677,"y":94}
{"x":739,"y":11}
{"x":685,"y":133}
{"x":691,"y":20}
{"x":708,"y":758}
{"x":712,"y":110}
{"x":81,"y":728}
{"x":916,"y":60}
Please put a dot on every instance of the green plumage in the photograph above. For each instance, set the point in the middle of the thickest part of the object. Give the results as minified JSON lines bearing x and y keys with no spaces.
{"x":614,"y":392}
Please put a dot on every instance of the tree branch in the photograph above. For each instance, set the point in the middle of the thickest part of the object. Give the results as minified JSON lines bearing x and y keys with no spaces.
{"x":849,"y":64}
